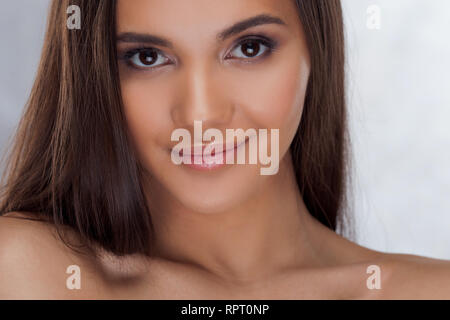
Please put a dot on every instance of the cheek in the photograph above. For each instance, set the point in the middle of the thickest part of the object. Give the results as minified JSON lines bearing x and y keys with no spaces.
{"x":144,"y":104}
{"x":283,"y":98}
{"x":274,"y":98}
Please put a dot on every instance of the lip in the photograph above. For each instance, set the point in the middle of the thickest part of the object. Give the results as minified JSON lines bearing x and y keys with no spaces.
{"x":215,"y":160}
{"x":224,"y":148}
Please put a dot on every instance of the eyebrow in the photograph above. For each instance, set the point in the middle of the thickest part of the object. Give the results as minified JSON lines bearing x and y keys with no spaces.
{"x":132,"y":37}
{"x":249,"y":23}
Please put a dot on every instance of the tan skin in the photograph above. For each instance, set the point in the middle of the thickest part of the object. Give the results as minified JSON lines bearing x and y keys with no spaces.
{"x":237,"y":240}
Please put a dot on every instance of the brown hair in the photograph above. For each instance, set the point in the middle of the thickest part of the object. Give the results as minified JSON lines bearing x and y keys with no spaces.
{"x":73,"y":162}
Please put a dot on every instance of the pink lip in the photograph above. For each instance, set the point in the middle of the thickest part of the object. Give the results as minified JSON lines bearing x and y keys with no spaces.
{"x":211,"y":164}
{"x":225,"y":148}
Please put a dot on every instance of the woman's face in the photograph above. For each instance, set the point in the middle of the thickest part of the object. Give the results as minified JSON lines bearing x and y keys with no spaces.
{"x":177,"y":65}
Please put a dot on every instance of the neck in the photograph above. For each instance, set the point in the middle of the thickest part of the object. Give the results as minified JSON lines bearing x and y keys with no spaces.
{"x":269,"y":233}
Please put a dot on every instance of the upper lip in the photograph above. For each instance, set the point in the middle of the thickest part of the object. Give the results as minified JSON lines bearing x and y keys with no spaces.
{"x":216,"y":146}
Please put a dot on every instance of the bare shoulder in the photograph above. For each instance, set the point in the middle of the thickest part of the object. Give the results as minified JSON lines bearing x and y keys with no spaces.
{"x":406,"y":276}
{"x":34,"y":262}
{"x":371,"y":274}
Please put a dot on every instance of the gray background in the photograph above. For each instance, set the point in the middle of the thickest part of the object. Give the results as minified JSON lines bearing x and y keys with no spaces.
{"x":399,"y":100}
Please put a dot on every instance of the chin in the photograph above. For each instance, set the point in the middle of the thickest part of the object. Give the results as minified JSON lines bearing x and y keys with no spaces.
{"x":213,"y":192}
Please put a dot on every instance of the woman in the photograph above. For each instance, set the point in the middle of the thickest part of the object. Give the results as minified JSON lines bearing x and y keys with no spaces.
{"x":91,"y":182}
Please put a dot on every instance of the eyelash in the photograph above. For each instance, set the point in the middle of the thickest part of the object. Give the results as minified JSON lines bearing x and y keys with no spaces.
{"x":270,"y":44}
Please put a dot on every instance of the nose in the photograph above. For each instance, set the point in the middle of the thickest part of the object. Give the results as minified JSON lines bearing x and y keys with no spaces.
{"x":202,"y":96}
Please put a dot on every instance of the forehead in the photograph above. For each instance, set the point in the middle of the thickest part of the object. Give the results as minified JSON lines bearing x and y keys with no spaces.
{"x":197,"y":17}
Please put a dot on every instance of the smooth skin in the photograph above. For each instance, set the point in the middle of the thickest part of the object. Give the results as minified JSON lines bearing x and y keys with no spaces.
{"x":229,"y":233}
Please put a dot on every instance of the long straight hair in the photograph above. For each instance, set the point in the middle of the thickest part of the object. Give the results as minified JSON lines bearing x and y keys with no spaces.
{"x":72,"y":162}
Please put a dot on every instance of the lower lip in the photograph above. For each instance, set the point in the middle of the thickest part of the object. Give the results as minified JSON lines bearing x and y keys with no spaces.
{"x":207,"y":165}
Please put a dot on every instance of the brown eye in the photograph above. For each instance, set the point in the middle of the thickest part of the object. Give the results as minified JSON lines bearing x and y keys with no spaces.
{"x":147,"y":58}
{"x":251,"y":48}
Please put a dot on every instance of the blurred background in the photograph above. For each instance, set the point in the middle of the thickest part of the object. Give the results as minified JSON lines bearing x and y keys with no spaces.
{"x":399,"y":105}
